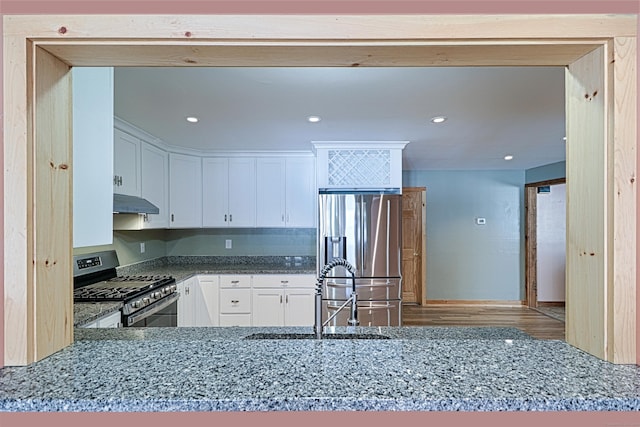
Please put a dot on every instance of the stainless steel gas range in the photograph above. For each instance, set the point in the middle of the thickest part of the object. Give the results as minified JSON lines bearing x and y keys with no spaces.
{"x":146,"y":300}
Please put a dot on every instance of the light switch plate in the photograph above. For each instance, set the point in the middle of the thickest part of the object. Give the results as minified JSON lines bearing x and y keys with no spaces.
{"x":227,"y":244}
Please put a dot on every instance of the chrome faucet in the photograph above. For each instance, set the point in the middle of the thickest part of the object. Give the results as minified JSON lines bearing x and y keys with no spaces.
{"x":353,"y":299}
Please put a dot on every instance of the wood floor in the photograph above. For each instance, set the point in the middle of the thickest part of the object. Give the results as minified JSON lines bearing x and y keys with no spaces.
{"x":530,"y":321}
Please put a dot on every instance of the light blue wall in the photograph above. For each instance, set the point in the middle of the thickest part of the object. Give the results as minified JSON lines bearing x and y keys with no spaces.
{"x":546,"y":172}
{"x":127,"y":246}
{"x":250,"y":241}
{"x":209,"y":242}
{"x":466,"y":261}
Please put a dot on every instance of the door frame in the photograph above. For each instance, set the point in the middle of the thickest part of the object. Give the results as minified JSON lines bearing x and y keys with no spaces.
{"x":423,"y":214}
{"x":598,"y":50}
{"x":530,"y":239}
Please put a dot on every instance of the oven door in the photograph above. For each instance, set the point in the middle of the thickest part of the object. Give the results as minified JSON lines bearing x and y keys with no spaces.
{"x":163,"y":313}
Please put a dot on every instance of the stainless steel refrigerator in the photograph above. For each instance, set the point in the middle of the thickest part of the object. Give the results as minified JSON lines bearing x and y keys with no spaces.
{"x":365,"y":228}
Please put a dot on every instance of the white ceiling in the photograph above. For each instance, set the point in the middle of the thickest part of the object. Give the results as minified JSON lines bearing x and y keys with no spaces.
{"x":492,"y":111}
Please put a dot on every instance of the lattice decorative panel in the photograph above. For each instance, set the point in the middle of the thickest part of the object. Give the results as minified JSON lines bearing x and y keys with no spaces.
{"x":358,"y":167}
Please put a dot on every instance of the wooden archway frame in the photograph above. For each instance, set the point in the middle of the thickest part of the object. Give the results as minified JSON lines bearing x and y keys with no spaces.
{"x":598,"y":50}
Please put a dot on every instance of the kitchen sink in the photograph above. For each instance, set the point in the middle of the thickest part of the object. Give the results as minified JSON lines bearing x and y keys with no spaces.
{"x":292,"y":336}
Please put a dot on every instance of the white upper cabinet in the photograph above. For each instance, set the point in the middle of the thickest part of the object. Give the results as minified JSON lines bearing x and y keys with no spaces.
{"x":215,"y":192}
{"x":270,"y":192}
{"x":155,"y":184}
{"x":301,"y":192}
{"x":242,"y":192}
{"x":92,"y":98}
{"x":185,"y":191}
{"x":359,"y":165}
{"x":229,"y":192}
{"x":126,"y":164}
{"x":286,"y":191}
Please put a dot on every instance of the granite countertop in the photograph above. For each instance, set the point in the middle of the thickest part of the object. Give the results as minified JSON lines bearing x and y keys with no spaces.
{"x":418,"y":369}
{"x":182,"y":267}
{"x":85,"y":312}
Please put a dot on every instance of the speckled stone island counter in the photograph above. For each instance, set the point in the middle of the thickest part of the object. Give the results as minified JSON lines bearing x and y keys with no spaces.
{"x":417,"y":369}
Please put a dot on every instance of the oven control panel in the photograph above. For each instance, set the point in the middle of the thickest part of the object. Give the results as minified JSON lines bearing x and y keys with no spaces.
{"x":95,"y":262}
{"x":83,"y":263}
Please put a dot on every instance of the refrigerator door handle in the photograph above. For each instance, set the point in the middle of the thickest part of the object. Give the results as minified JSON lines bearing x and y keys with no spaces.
{"x":388,"y":233}
{"x":363,"y":234}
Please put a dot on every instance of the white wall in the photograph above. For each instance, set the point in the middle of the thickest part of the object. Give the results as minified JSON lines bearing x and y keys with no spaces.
{"x":551,"y":248}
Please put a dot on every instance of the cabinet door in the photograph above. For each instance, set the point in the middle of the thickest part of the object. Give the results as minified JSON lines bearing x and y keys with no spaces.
{"x":242,"y":192}
{"x":92,"y":96}
{"x":267,"y":307}
{"x":270,"y":192}
{"x":155,"y":184}
{"x":186,"y":302}
{"x":299,"y":307}
{"x":185,"y":191}
{"x":207,"y":313}
{"x":111,"y":321}
{"x":215,"y":192}
{"x":126,"y":163}
{"x":301,"y":193}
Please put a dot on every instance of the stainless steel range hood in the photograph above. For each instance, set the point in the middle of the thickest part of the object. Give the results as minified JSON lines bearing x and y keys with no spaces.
{"x":123,"y":203}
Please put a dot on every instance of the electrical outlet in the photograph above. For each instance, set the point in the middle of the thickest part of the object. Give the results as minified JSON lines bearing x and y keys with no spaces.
{"x":227,"y":244}
{"x":142,"y":247}
{"x":481,"y":221}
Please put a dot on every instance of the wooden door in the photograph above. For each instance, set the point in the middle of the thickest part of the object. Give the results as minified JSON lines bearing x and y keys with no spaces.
{"x":413,"y":244}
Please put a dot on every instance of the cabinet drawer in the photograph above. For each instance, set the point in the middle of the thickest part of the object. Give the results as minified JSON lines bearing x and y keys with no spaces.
{"x":284,"y":280}
{"x":235,"y":281}
{"x":235,"y":320}
{"x":234,"y":301}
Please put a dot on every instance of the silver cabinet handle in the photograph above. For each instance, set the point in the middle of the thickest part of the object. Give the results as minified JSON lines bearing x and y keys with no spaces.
{"x":230,"y":217}
{"x":284,"y":282}
{"x":282,"y":217}
{"x":186,"y":291}
{"x":234,"y":301}
{"x":171,"y":217}
{"x":235,"y":282}
{"x":287,"y":299}
{"x":280,"y":299}
{"x":225,"y":217}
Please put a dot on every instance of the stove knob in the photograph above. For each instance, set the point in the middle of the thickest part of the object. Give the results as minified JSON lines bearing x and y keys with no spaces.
{"x":174,"y":287}
{"x":145,"y":301}
{"x":166,"y":290}
{"x":136,"y":304}
{"x":157,"y":295}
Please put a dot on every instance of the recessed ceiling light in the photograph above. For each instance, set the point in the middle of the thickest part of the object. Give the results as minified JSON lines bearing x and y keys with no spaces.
{"x":192,"y":119}
{"x":508,"y":157}
{"x":439,"y":119}
{"x":313,"y":119}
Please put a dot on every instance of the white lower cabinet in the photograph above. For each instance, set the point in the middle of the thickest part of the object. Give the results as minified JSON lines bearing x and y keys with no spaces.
{"x":268,"y":309}
{"x":109,"y":321}
{"x":299,"y":307}
{"x":235,"y":300}
{"x":283,"y":300}
{"x":198,"y":303}
{"x":207,"y":312}
{"x":187,"y":302}
{"x":245,"y":300}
